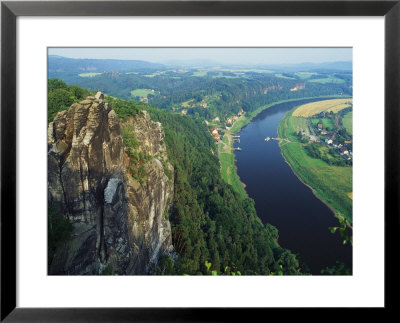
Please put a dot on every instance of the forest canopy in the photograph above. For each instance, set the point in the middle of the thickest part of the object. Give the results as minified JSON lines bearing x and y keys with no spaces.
{"x":210,"y":222}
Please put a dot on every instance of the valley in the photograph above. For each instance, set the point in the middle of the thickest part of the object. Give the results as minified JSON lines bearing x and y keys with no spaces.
{"x":166,"y":170}
{"x":321,"y":161}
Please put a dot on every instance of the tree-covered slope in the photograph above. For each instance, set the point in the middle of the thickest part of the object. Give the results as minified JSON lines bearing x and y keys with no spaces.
{"x":210,"y":222}
{"x":212,"y":94}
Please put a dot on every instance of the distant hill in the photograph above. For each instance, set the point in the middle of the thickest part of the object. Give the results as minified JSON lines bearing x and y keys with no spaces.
{"x":64,"y":64}
{"x":325,"y":67}
{"x":59,"y":64}
{"x":192,"y":63}
{"x":313,"y":67}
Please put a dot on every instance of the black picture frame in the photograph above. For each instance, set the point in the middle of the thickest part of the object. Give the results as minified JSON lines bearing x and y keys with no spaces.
{"x":10,"y":10}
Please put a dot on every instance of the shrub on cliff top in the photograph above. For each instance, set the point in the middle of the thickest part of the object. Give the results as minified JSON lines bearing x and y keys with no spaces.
{"x":61,"y":96}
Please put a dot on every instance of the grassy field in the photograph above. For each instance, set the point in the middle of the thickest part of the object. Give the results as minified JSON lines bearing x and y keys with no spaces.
{"x":310,"y":109}
{"x":332,"y":184}
{"x":141,"y":92}
{"x":300,"y":124}
{"x":244,"y":70}
{"x":225,"y":76}
{"x":200,"y":73}
{"x":228,"y":167}
{"x":304,"y":75}
{"x":326,"y":122}
{"x":328,"y":80}
{"x":229,"y":174}
{"x":347,"y":122}
{"x":88,"y":74}
{"x":157,"y":73}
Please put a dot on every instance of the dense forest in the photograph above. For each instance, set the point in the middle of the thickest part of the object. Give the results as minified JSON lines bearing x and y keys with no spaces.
{"x":212,"y":93}
{"x":61,"y":96}
{"x":210,"y":222}
{"x":214,"y":230}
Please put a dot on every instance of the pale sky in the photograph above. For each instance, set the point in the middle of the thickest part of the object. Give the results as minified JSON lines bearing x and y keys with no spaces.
{"x":220,"y":55}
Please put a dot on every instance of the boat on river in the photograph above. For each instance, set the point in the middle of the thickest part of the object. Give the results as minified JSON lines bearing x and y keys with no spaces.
{"x":267,"y":139}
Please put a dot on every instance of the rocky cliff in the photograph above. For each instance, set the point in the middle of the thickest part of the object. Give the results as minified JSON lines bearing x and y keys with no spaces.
{"x":299,"y":86}
{"x":119,"y":221}
{"x":272,"y":88}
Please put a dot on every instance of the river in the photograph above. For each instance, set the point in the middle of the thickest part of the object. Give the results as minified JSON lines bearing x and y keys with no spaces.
{"x":282,"y":199}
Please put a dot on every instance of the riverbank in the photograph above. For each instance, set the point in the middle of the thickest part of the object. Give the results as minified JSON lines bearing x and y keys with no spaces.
{"x":228,"y":165}
{"x":330,"y":184}
{"x":227,"y":156}
{"x":248,"y":117}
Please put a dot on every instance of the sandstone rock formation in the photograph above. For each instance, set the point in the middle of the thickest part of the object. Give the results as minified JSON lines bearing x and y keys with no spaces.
{"x":299,"y":86}
{"x":117,"y":220}
{"x":272,"y":88}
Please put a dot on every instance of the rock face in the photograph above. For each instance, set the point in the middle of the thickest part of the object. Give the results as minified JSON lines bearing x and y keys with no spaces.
{"x":272,"y":88}
{"x":299,"y":86}
{"x":117,"y":220}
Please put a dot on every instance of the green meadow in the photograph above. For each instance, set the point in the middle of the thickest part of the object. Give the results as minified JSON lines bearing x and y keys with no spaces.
{"x":347,"y":122}
{"x":332,"y":184}
{"x":200,"y":73}
{"x":304,"y":75}
{"x":229,"y":174}
{"x":327,"y":80}
{"x":141,"y":92}
{"x":88,"y":74}
{"x":326,"y":123}
{"x":220,"y":75}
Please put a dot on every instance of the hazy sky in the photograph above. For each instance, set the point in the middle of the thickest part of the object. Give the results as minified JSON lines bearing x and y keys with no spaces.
{"x":221,"y":55}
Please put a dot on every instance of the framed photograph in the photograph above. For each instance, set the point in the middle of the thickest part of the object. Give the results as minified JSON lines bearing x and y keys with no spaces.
{"x":181,"y":160}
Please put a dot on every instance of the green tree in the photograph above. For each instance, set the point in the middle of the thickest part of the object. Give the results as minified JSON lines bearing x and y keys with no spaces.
{"x":78,"y":92}
{"x":58,"y":100}
{"x":54,"y":84}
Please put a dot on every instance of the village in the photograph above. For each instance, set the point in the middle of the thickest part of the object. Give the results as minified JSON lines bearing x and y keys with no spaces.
{"x":334,"y":136}
{"x":227,"y":124}
{"x":324,"y":128}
